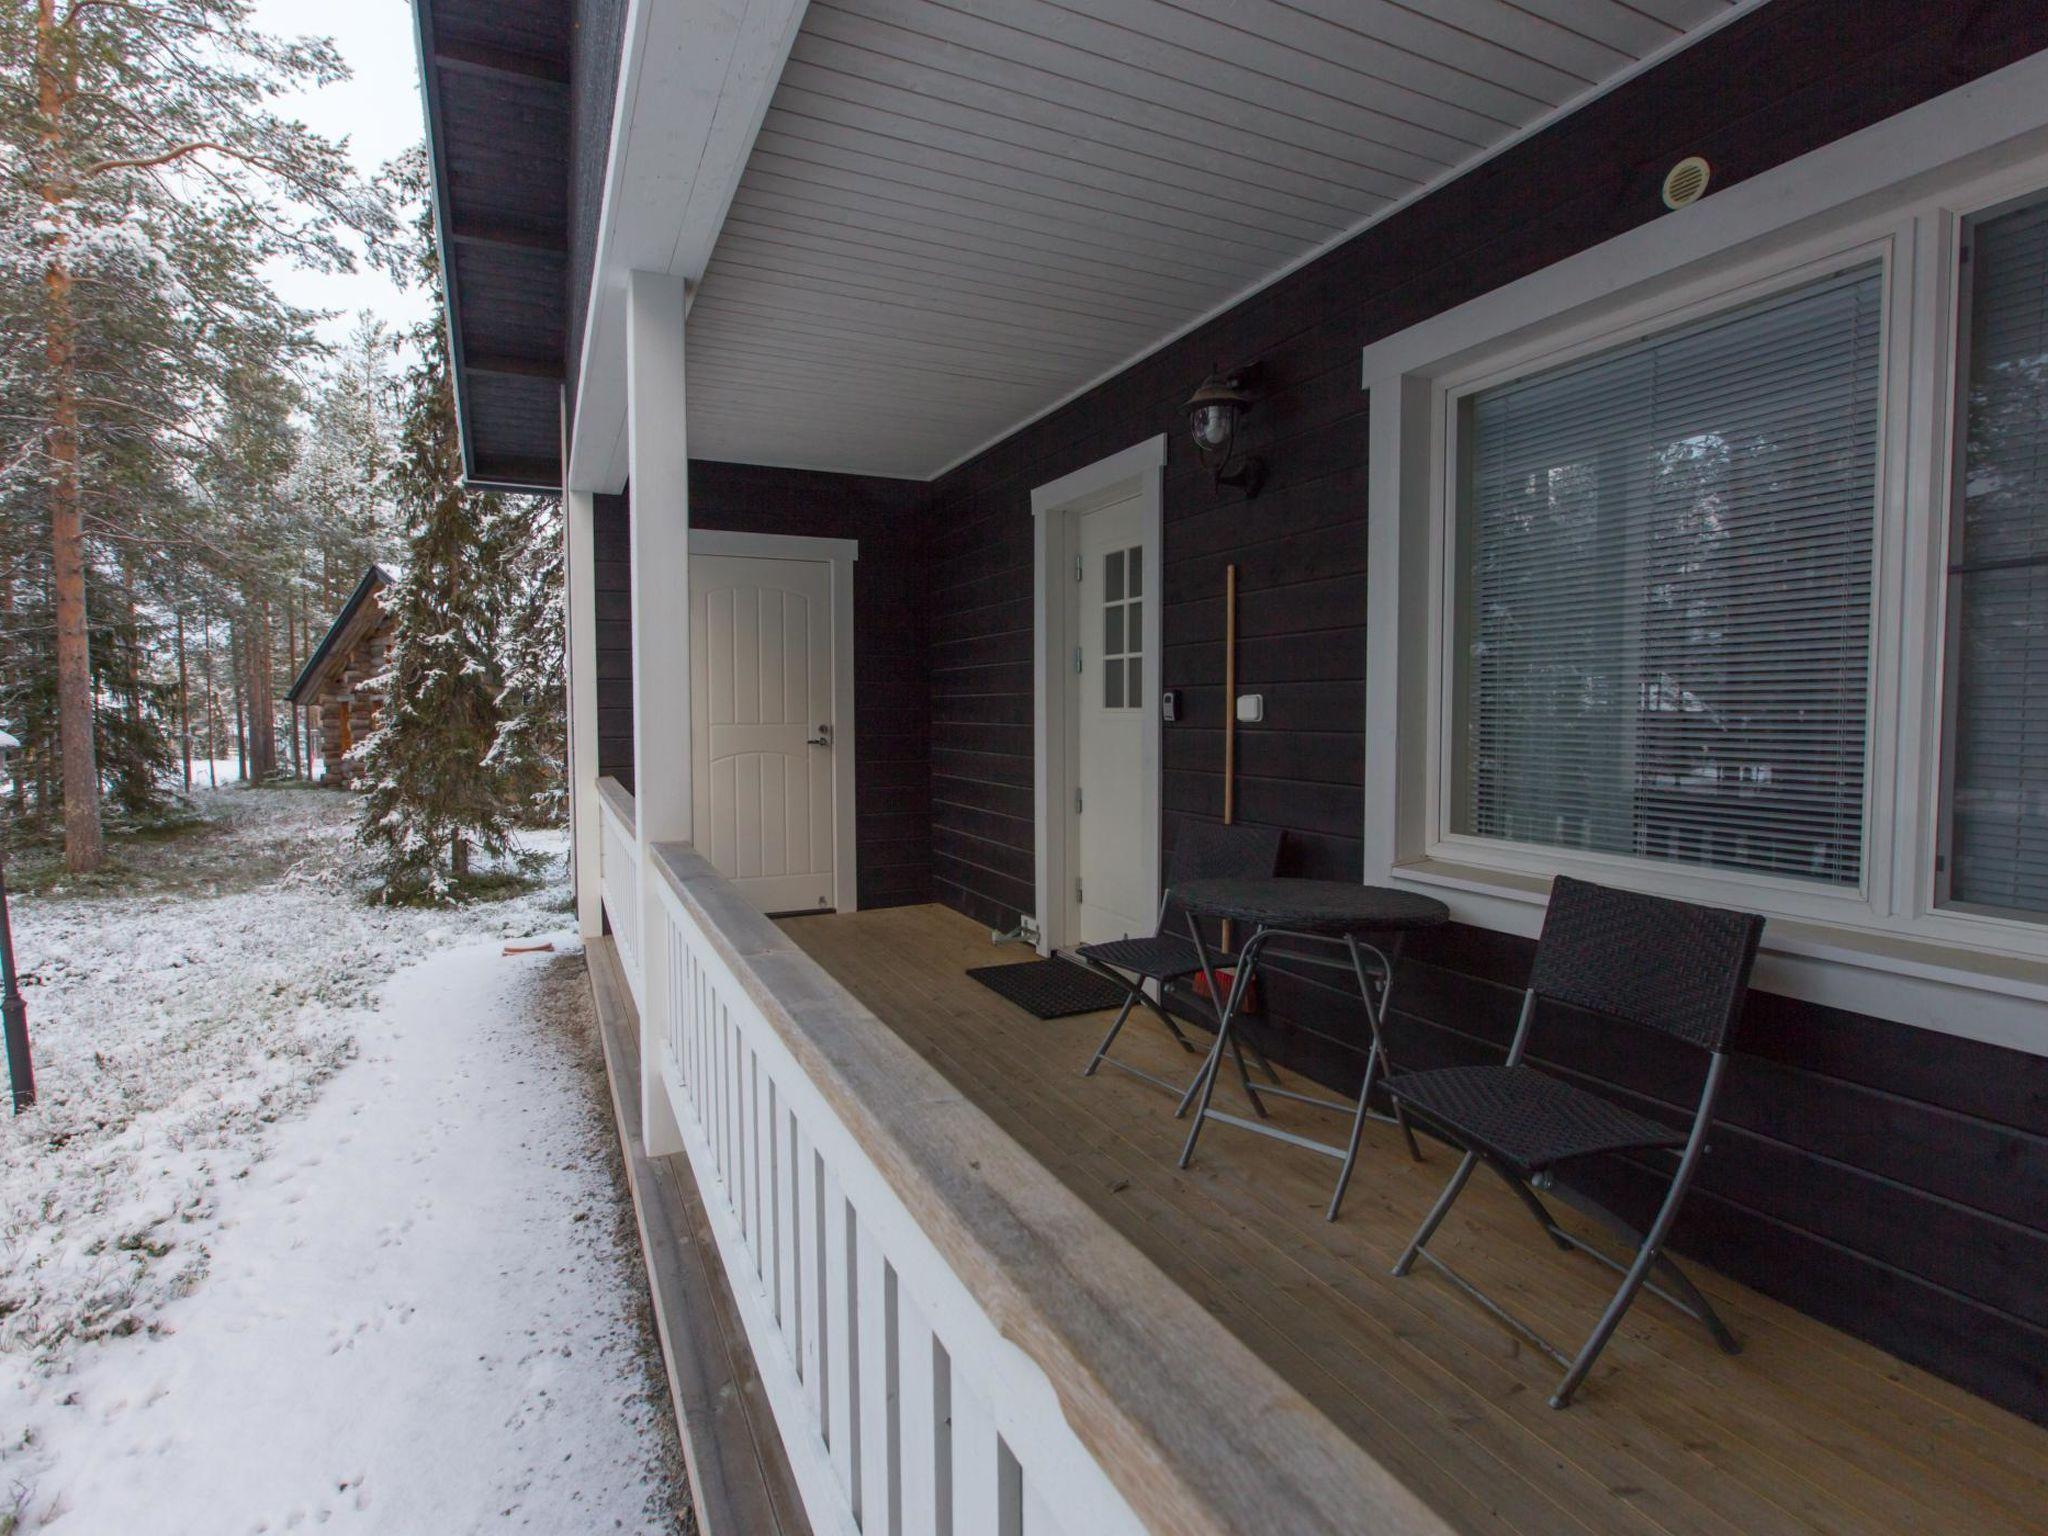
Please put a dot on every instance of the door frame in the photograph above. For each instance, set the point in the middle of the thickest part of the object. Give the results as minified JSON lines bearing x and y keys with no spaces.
{"x":1056,"y":510}
{"x":840,"y":555}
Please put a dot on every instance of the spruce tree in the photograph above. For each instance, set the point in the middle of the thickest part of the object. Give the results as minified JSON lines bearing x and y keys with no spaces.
{"x":432,"y":799}
{"x":531,"y":752}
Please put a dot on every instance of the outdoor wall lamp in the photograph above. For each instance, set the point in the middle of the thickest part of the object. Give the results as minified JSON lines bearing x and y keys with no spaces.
{"x":1215,"y":413}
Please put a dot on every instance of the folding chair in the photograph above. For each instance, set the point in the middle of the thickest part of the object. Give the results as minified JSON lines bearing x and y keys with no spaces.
{"x":1203,"y":851}
{"x":1665,"y":965}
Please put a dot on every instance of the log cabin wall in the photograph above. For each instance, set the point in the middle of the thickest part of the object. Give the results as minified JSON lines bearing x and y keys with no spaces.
{"x":348,"y":708}
{"x":1882,"y":1178}
{"x":891,"y":649}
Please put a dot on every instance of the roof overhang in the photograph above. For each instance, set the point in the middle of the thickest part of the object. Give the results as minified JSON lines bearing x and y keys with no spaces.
{"x":695,"y":81}
{"x":909,"y":228}
{"x":495,"y":77}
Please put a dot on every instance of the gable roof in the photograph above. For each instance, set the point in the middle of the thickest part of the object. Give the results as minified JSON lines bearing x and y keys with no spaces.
{"x":332,"y":646}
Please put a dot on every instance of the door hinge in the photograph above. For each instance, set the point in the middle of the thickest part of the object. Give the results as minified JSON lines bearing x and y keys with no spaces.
{"x":1077,"y":890}
{"x":1077,"y":799}
{"x":1077,"y":568}
{"x":1077,"y":659}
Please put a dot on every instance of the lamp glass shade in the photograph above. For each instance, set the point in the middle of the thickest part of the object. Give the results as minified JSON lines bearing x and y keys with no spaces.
{"x":1212,"y":422}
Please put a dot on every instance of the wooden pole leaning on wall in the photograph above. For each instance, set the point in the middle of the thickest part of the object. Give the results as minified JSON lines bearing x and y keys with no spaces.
{"x":1229,"y":694}
{"x":1229,"y":712}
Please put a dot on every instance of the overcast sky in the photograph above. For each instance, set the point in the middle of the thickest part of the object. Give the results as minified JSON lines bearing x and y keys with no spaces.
{"x":377,"y":111}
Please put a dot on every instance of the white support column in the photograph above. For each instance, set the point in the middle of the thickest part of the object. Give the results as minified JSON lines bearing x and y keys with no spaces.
{"x":658,"y":462}
{"x":586,"y":830}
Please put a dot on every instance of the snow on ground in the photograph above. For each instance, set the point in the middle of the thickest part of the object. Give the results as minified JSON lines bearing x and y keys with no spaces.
{"x":315,"y":1221}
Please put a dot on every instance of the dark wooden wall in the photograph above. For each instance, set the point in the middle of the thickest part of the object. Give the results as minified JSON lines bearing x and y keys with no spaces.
{"x":1886,"y":1179}
{"x":892,"y":705}
{"x":612,"y":550}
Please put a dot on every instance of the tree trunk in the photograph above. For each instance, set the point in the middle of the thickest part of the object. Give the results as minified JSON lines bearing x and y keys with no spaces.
{"x":238,"y":664}
{"x":262,"y":695}
{"x":291,"y":666}
{"x":184,"y":703}
{"x":206,"y":668}
{"x":83,"y":845}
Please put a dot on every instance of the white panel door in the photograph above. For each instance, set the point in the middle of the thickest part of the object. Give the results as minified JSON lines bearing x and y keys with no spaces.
{"x":761,"y":727}
{"x":1112,"y":814}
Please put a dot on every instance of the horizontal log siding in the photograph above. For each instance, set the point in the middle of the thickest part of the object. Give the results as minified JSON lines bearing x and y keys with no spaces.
{"x":612,"y":551}
{"x":1885,"y":1179}
{"x":891,"y":646}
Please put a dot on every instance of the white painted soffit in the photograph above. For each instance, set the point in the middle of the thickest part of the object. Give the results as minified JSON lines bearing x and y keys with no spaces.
{"x":951,"y":218}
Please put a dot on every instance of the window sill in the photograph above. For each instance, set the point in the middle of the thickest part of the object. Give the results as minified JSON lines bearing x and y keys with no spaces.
{"x":1998,"y":998}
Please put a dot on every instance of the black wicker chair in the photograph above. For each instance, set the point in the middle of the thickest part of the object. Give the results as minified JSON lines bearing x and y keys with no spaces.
{"x":1666,"y":965}
{"x":1203,"y":851}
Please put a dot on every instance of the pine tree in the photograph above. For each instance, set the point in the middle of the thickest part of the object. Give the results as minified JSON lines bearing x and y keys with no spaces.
{"x":531,"y":751}
{"x":144,"y":152}
{"x":432,"y":800}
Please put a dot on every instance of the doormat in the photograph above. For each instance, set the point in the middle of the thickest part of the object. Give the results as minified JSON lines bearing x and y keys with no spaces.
{"x":1050,"y":989}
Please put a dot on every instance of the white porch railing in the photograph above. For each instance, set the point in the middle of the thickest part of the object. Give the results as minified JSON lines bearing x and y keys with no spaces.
{"x":951,"y":1341}
{"x":619,"y":878}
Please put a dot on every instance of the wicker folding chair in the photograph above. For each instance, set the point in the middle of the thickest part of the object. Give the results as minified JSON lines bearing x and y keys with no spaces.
{"x":1203,"y":851}
{"x":1665,"y":965}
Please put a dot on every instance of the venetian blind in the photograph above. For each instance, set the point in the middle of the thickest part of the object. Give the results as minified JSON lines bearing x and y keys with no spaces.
{"x":1998,"y":781}
{"x":1664,"y":568}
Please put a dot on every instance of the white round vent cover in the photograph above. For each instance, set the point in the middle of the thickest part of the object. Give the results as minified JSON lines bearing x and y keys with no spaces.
{"x":1686,"y":182}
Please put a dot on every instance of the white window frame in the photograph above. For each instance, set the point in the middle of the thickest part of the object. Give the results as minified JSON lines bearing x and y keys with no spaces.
{"x":1898,"y":191}
{"x":1451,"y":390}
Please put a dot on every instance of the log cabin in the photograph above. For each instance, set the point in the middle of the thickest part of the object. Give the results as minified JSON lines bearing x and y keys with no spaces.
{"x":338,"y":682}
{"x":1633,"y":418}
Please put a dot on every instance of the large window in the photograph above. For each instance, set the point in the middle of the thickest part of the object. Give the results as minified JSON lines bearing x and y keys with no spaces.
{"x":1662,"y":617}
{"x":1995,"y":837}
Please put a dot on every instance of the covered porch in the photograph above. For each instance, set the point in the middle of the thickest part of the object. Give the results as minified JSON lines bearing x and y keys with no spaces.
{"x":907,"y":591}
{"x":1247,"y":1329}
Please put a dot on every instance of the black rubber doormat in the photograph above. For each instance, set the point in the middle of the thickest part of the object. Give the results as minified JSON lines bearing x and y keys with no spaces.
{"x":1050,"y":989}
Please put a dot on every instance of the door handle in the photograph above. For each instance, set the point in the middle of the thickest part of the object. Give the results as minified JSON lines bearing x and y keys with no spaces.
{"x":822,"y":739}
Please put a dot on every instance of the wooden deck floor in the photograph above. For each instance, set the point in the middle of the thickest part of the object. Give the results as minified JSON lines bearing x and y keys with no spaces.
{"x":1807,"y":1431}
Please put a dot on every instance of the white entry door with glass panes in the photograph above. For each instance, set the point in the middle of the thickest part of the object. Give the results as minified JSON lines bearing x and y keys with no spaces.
{"x":1111,"y":815}
{"x":761,"y":707}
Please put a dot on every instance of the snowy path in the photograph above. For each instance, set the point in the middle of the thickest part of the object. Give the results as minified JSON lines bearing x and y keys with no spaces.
{"x":406,"y":1306}
{"x":411,"y":1316}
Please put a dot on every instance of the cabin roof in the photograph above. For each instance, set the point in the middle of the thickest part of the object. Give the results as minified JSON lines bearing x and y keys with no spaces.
{"x":354,"y":619}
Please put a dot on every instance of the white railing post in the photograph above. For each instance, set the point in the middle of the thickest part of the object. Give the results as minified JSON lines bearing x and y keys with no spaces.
{"x":586,"y":829}
{"x":658,"y":466}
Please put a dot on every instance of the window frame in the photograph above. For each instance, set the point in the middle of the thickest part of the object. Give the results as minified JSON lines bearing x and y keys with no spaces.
{"x":1558,"y":347}
{"x":1893,"y":950}
{"x":1947,"y":681}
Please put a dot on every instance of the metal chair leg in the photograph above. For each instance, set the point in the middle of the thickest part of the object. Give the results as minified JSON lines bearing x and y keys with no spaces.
{"x":1653,"y":1244}
{"x":1437,"y":1213}
{"x":1109,"y":1039}
{"x":1165,"y":1017}
{"x":1532,"y":1204}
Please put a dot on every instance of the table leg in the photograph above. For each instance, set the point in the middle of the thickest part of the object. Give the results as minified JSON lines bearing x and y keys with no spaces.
{"x":1247,"y":962}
